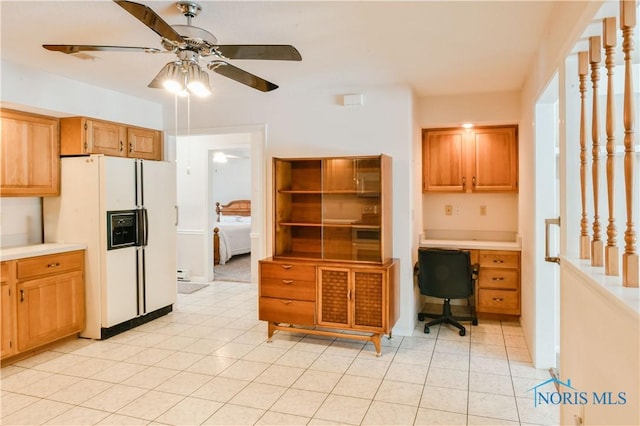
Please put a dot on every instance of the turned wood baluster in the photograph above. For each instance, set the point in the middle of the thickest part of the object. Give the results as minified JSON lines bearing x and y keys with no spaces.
{"x":594,"y":60}
{"x":611,"y":260}
{"x":630,"y":263}
{"x":583,"y":68}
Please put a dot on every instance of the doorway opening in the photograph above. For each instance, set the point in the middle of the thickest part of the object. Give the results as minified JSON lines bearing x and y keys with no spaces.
{"x":197,"y":197}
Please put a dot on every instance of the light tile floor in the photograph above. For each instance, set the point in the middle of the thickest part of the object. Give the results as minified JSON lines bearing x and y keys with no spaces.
{"x":208,"y":362}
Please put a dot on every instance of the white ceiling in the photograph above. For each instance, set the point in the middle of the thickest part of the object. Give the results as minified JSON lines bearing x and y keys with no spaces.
{"x":436,"y":47}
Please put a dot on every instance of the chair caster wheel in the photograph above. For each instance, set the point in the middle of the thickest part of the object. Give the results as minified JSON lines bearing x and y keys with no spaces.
{"x":420,"y":317}
{"x":474,"y":322}
{"x":462,"y":332}
{"x":426,"y":329}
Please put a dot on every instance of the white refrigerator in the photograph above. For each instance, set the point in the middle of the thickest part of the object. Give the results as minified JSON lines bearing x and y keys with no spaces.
{"x":125,"y":211}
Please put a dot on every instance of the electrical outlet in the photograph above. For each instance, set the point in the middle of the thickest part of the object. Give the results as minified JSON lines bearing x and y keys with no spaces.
{"x":458,"y":210}
{"x":448,"y":210}
{"x":483,"y":210}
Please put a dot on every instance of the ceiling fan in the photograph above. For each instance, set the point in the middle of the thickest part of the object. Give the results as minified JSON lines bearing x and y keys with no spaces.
{"x":191,"y":44}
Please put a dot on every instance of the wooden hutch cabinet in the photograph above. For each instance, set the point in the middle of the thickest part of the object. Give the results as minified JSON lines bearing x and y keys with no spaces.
{"x":481,"y":159}
{"x":82,"y":135}
{"x":332,"y":265}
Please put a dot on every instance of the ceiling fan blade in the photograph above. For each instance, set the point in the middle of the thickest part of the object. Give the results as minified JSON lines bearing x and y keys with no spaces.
{"x":241,"y":76}
{"x":76,"y":48}
{"x":151,"y":19}
{"x":277,"y":52}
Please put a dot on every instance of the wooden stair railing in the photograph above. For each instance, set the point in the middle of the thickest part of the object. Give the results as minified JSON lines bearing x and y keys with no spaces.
{"x":594,"y":59}
{"x":611,"y":255}
{"x":583,"y":60}
{"x":630,"y":263}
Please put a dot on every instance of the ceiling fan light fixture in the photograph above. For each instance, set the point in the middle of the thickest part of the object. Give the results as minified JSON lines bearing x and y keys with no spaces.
{"x":171,"y":78}
{"x":198,"y":81}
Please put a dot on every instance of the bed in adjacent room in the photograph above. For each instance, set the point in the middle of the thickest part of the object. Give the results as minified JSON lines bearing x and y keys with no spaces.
{"x":231,"y":234}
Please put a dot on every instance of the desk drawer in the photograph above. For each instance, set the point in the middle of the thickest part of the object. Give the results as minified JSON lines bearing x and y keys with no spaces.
{"x":288,"y":289}
{"x":286,"y":311}
{"x":499,"y":259}
{"x":499,"y":301}
{"x":49,"y":264}
{"x":498,"y":278}
{"x":287,"y":271}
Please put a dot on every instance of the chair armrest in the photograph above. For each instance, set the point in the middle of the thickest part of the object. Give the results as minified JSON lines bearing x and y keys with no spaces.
{"x":475,"y":269}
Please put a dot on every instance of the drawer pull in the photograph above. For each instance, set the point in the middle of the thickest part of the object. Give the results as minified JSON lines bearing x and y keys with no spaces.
{"x":498,"y":278}
{"x":287,"y":282}
{"x":498,"y":299}
{"x":53,"y":265}
{"x":498,"y":261}
{"x":21,"y":295}
{"x":286,"y":302}
{"x":286,"y":266}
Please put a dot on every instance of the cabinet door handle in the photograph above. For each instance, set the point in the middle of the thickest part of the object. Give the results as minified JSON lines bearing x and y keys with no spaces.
{"x":498,"y":299}
{"x":498,"y":261}
{"x":286,"y":266}
{"x":349,"y":294}
{"x":130,"y":146}
{"x":287,"y":281}
{"x":21,"y":295}
{"x":498,"y":278}
{"x":473,"y":181}
{"x":286,"y":302}
{"x":53,"y":265}
{"x":121,"y":146}
{"x":464,"y":181}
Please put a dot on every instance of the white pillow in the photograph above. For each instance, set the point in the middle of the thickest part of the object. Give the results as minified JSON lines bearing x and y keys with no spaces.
{"x":228,"y":219}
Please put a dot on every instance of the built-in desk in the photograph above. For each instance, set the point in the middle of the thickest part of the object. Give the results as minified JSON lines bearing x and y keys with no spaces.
{"x":498,"y":254}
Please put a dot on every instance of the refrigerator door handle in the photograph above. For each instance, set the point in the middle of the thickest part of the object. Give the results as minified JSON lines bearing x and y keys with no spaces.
{"x":145,"y":216}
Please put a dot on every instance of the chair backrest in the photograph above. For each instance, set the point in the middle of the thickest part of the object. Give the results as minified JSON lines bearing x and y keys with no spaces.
{"x":445,"y":274}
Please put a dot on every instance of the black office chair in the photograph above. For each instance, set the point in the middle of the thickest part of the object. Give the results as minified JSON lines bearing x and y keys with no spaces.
{"x":446,"y":274}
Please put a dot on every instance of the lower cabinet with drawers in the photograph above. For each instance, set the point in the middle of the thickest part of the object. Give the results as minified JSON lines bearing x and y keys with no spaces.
{"x":498,"y":284}
{"x":328,"y":298}
{"x":42,"y":300}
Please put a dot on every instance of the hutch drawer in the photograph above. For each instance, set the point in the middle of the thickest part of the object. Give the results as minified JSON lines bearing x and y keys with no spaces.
{"x":287,"y":311}
{"x":288,"y":288}
{"x":287,"y":271}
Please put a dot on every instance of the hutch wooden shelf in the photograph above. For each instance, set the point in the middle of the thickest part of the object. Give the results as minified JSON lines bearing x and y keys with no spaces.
{"x":332,"y":268}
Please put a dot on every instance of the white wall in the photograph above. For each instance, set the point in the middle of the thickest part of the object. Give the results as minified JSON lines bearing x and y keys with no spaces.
{"x":313,"y":123}
{"x":36,"y":91}
{"x":231,"y":180}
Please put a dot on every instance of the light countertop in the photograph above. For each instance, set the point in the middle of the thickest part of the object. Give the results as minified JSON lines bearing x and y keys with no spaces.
{"x":479,"y":240}
{"x":37,"y":250}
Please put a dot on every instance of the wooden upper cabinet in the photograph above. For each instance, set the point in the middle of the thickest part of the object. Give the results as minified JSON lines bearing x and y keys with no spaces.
{"x":144,"y":143}
{"x":483,"y":159}
{"x":82,"y":135}
{"x":495,"y":159}
{"x":443,"y":160}
{"x":30,"y":163}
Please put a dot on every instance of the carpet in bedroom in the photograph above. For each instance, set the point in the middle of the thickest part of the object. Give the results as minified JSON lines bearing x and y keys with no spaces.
{"x":238,"y":268}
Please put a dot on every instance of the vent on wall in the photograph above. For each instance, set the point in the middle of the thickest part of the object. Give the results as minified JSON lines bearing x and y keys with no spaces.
{"x":183,"y":275}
